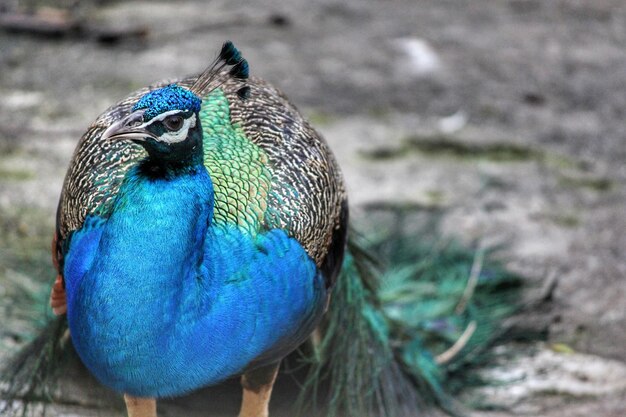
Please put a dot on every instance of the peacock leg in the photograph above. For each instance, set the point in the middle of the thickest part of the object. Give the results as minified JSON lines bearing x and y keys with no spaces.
{"x":140,"y":407}
{"x":257,"y":389}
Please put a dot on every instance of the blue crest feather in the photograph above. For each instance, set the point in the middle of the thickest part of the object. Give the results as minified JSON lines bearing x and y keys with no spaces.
{"x":240,"y":70}
{"x":230,"y":54}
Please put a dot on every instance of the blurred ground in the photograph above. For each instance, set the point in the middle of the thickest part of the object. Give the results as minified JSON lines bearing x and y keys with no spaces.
{"x":506,"y":116}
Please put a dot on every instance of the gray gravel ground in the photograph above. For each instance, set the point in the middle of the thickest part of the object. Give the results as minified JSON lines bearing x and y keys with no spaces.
{"x":508,"y":116}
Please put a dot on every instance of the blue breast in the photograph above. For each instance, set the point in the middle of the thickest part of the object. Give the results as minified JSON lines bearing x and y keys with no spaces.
{"x":161,"y":302}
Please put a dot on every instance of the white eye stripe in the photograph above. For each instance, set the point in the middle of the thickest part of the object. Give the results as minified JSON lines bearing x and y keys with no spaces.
{"x":163,"y":116}
{"x":181,"y":134}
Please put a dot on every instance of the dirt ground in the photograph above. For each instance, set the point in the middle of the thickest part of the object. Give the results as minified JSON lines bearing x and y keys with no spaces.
{"x":507,"y":116}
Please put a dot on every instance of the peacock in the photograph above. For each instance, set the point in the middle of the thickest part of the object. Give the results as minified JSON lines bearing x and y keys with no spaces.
{"x":202,"y":234}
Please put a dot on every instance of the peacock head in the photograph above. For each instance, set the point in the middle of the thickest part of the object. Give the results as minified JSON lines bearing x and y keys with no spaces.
{"x":166,"y":121}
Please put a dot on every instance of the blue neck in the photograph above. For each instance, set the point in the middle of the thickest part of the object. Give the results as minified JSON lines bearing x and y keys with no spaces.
{"x":158,"y":215}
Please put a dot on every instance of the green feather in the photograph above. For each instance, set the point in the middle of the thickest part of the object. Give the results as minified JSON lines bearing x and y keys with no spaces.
{"x":238,"y":168}
{"x":355,"y":356}
{"x":28,"y":376}
{"x":408,"y":335}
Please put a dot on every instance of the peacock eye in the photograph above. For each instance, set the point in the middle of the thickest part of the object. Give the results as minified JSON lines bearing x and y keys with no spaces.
{"x":173,"y":123}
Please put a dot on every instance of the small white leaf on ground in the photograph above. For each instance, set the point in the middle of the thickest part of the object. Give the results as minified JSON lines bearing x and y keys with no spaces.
{"x":453,"y":123}
{"x":422,"y":58}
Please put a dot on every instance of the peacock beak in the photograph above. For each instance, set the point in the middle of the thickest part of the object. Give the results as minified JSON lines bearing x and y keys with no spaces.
{"x":132,"y":127}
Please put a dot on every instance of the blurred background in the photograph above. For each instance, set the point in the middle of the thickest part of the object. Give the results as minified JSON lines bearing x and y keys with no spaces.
{"x":503,"y":119}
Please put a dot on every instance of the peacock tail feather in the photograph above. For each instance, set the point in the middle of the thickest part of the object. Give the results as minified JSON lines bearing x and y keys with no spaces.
{"x":30,"y":375}
{"x":409,"y":325}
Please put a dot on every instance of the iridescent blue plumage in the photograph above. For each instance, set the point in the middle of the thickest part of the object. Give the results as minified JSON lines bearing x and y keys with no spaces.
{"x":230,"y":54}
{"x":161,"y":302}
